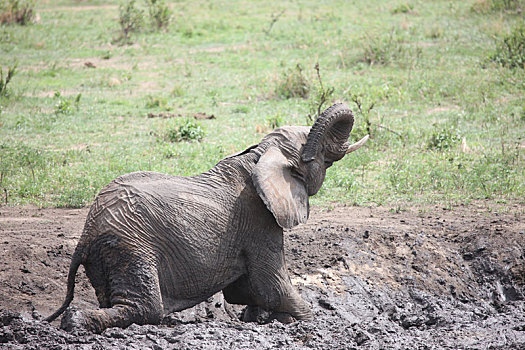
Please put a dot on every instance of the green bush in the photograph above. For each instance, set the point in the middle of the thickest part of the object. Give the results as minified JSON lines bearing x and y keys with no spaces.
{"x":131,"y":20}
{"x":293,"y":83}
{"x":66,"y":105}
{"x":187,"y":131}
{"x":403,"y":8}
{"x":443,"y":138}
{"x":16,"y":11}
{"x":511,"y":50}
{"x":159,"y":14}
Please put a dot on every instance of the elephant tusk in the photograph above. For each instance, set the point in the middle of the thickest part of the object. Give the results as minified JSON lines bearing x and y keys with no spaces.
{"x":357,"y":145}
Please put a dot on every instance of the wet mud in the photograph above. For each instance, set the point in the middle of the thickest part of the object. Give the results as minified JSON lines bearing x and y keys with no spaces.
{"x":423,"y":278}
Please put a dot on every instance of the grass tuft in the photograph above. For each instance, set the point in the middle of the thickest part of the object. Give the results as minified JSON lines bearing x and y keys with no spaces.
{"x":487,"y":6}
{"x":11,"y":71}
{"x":443,"y":138}
{"x":511,"y":49}
{"x":403,"y":8}
{"x":293,"y":84}
{"x":387,"y":50}
{"x":188,"y":130}
{"x":66,"y":105}
{"x":17,"y":11}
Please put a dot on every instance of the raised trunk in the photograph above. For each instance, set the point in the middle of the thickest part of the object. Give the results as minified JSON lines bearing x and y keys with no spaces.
{"x":329,"y":133}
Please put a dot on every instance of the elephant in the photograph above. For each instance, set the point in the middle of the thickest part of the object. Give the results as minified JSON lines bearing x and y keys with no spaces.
{"x":155,"y":243}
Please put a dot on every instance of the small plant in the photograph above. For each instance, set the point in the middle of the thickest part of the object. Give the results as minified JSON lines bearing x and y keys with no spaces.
{"x":444,"y":138}
{"x":241,"y":109}
{"x":365,"y":126}
{"x":435,"y":32}
{"x":511,"y":50}
{"x":187,"y":131}
{"x":177,"y":91}
{"x":387,"y":50}
{"x":293,"y":84}
{"x":275,"y":18}
{"x":66,"y":105}
{"x":275,"y":121}
{"x":159,"y":13}
{"x":4,"y":82}
{"x":156,"y":102}
{"x":131,"y":20}
{"x":16,"y":11}
{"x":403,"y":8}
{"x":321,"y":97}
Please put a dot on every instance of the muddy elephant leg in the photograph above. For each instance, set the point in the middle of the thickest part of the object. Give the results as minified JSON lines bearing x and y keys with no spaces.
{"x":272,"y":289}
{"x":239,"y":293}
{"x":134,"y":295}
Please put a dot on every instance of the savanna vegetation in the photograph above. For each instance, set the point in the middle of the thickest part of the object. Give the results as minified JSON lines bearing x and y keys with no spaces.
{"x":90,"y":90}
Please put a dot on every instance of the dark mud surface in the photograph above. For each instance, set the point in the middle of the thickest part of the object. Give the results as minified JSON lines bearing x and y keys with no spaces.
{"x":425,"y":278}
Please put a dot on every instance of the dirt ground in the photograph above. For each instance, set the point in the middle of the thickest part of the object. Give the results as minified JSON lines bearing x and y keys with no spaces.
{"x":424,"y":278}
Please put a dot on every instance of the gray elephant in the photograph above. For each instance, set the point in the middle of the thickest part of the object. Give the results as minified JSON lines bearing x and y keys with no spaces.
{"x":155,"y":243}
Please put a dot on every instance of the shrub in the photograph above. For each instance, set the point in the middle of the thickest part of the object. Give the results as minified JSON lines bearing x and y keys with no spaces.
{"x":16,"y":11}
{"x":66,"y":105}
{"x":4,"y":82}
{"x":187,"y":131}
{"x":403,"y":8}
{"x":159,"y":13}
{"x":320,"y":97}
{"x":276,"y":121}
{"x":131,"y":20}
{"x":511,"y":50}
{"x":443,"y":138}
{"x":293,"y":84}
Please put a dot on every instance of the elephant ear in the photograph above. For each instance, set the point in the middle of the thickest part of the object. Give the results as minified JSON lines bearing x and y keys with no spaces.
{"x":284,"y":195}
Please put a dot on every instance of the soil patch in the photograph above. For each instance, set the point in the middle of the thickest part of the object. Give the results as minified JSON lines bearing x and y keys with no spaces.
{"x":424,"y":278}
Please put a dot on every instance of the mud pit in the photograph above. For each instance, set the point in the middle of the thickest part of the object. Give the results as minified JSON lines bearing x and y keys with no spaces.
{"x":422,"y":278}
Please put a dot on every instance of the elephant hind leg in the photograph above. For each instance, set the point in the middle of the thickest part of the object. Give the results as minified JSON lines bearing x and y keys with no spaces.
{"x":99,"y":281}
{"x":134,"y":297}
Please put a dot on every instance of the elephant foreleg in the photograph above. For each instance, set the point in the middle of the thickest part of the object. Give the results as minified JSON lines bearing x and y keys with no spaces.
{"x":271,"y":288}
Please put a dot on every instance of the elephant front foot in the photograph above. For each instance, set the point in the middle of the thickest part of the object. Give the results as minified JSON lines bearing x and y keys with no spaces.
{"x":262,"y":316}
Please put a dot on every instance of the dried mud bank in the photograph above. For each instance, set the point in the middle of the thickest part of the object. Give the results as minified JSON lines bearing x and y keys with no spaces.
{"x":420,"y":279}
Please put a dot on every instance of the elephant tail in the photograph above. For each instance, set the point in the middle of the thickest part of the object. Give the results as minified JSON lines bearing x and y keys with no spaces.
{"x":73,"y":268}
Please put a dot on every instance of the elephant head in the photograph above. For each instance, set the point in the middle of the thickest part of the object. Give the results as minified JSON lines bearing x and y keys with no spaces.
{"x":293,"y":166}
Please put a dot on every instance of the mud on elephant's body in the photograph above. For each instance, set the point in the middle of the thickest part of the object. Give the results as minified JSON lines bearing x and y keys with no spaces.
{"x":156,"y":243}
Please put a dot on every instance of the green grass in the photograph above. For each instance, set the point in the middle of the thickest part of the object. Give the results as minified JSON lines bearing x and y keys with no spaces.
{"x":447,"y":121}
